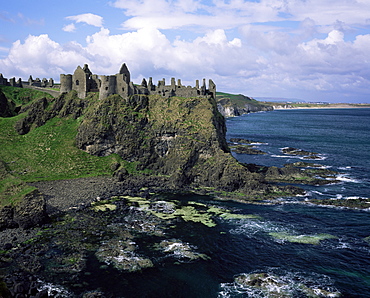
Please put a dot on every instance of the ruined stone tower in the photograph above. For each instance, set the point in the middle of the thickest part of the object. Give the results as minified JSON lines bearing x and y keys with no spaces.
{"x":84,"y":81}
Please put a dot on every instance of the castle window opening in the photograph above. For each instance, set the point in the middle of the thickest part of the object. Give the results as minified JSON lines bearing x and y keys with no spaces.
{"x":77,"y":82}
{"x":106,"y":88}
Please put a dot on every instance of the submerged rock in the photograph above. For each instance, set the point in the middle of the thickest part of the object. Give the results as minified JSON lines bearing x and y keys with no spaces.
{"x":121,"y":254}
{"x":180,"y":250}
{"x":350,"y":202}
{"x":299,"y":152}
{"x":274,"y":286}
{"x":246,"y":149}
{"x":296,"y":173}
{"x":241,"y":141}
{"x":305,"y":239}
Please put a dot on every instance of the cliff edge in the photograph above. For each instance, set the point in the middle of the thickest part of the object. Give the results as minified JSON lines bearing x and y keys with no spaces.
{"x":178,"y":142}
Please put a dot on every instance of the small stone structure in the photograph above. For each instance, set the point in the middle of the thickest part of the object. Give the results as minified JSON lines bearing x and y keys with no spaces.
{"x":84,"y":81}
{"x":40,"y":83}
{"x":12,"y":82}
{"x":31,"y":82}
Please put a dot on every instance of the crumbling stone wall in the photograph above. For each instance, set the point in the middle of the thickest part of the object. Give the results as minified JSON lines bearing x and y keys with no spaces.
{"x":12,"y":82}
{"x":40,"y":83}
{"x":84,"y":81}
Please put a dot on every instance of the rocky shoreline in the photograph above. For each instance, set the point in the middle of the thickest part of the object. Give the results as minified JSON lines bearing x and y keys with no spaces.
{"x":23,"y":251}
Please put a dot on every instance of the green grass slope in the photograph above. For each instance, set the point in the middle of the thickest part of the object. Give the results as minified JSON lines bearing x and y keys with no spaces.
{"x":22,"y":96}
{"x":45,"y":153}
{"x":239,"y":100}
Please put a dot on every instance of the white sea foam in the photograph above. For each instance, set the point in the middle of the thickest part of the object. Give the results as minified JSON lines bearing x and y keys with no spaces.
{"x":344,"y":168}
{"x":318,"y":157}
{"x":251,"y":227}
{"x":346,"y":178}
{"x":52,"y":288}
{"x":285,"y":284}
{"x":316,"y":192}
{"x":352,"y":198}
{"x":284,"y":156}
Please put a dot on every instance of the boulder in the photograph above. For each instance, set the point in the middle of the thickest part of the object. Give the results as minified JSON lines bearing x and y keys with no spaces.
{"x":31,"y":211}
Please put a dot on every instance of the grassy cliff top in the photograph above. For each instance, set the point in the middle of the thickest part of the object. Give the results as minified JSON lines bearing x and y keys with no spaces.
{"x":21,"y":96}
{"x":239,"y":100}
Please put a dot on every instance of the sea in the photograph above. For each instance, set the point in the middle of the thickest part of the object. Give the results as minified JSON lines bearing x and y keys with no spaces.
{"x":296,"y":248}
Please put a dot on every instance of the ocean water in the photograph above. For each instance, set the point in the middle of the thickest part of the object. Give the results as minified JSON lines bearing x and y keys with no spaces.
{"x":341,"y":137}
{"x":295,"y":245}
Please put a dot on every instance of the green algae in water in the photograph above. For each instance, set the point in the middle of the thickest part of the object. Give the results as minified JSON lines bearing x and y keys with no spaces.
{"x":193,"y":211}
{"x":104,"y":205}
{"x":142,"y":202}
{"x":226,"y":214}
{"x":189,"y":213}
{"x":239,"y":216}
{"x":217,"y":210}
{"x":197,"y":204}
{"x":305,"y":239}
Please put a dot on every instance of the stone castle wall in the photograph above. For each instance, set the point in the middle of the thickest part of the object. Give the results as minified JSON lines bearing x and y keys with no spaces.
{"x":31,"y":82}
{"x":83,"y":81}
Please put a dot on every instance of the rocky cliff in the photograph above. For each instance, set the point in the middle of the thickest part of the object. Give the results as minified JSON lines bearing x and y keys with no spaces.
{"x":181,"y":141}
{"x":179,"y":138}
{"x":6,"y":107}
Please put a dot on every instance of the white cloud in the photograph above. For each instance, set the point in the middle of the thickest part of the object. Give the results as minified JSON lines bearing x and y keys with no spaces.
{"x":88,"y":18}
{"x":172,"y":14}
{"x":41,"y":57}
{"x":265,"y":59}
{"x":69,"y":28}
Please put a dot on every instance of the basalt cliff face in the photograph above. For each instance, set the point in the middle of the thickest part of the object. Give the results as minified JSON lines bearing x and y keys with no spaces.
{"x":182,"y":139}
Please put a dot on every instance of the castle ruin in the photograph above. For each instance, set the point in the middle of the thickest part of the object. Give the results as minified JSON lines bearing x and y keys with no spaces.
{"x":84,"y":81}
{"x":12,"y":82}
{"x":44,"y":83}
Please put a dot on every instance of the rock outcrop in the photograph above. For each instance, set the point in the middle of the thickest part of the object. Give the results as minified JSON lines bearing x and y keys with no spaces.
{"x":179,"y":138}
{"x":25,"y":212}
{"x":29,"y":212}
{"x":6,"y":107}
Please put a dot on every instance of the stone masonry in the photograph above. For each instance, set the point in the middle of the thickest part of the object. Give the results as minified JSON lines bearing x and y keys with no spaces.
{"x":83,"y":81}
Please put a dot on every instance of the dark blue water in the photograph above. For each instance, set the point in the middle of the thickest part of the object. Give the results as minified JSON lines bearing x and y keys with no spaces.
{"x":270,"y":243}
{"x":340,"y":136}
{"x":342,"y":139}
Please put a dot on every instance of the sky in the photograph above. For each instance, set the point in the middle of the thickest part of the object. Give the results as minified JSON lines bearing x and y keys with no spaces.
{"x":311,"y":50}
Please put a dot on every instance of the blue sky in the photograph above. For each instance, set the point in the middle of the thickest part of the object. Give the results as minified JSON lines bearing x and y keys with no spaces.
{"x":314,"y":50}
